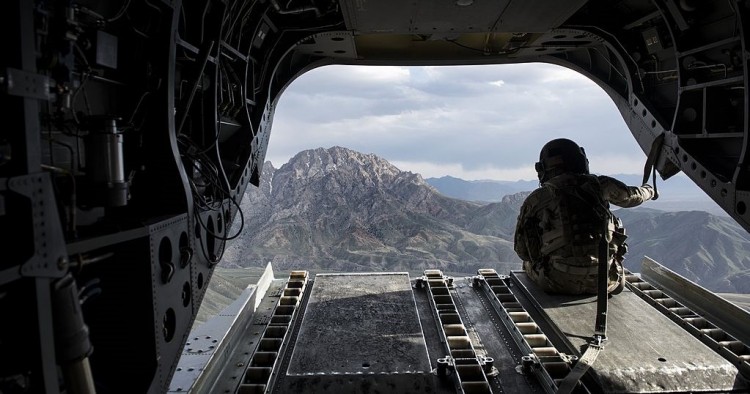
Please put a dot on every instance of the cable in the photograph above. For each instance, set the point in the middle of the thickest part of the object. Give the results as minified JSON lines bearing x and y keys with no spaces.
{"x":239,"y":14}
{"x":206,"y":53}
{"x":73,"y":156}
{"x":121,"y":12}
{"x":137,"y":107}
{"x":84,"y":78}
{"x":486,"y":52}
{"x":72,"y":208}
{"x":226,"y":226}
{"x":86,"y":101}
{"x":612,"y":66}
{"x":50,"y":138}
{"x":153,"y":6}
{"x":703,"y":65}
{"x":244,"y":17}
{"x":467,"y":47}
{"x":494,"y":25}
{"x":90,"y":289}
{"x":266,"y":66}
{"x":64,"y":129}
{"x":623,"y":50}
{"x":211,"y":175}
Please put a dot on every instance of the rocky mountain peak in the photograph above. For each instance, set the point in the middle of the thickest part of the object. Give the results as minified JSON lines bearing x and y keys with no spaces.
{"x":353,"y":211}
{"x":320,"y":162}
{"x":339,"y":173}
{"x":515,"y":200}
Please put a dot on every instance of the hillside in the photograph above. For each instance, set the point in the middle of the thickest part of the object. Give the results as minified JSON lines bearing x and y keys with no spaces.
{"x":704,"y":248}
{"x":337,"y":209}
{"x":485,"y":190}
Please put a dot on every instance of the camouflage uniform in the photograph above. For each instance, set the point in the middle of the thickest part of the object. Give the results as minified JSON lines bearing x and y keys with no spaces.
{"x":558,"y":230}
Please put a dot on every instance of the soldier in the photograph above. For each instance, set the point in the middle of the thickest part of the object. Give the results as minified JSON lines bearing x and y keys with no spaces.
{"x":561,"y":222}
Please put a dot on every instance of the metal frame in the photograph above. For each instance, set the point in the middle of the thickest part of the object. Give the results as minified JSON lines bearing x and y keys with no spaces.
{"x":470,"y":369}
{"x":722,"y":327}
{"x":542,"y":358}
{"x":263,"y":369}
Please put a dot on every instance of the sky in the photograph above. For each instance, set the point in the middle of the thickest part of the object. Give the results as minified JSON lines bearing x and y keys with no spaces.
{"x":470,"y":122}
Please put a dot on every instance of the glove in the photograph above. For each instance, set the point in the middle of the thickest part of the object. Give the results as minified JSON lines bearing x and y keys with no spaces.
{"x":653,"y":194}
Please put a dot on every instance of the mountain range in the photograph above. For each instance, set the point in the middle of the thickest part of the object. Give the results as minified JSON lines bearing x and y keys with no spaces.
{"x":678,"y":193}
{"x":340,"y":210}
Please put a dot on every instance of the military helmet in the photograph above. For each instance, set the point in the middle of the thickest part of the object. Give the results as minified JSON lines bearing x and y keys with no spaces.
{"x":561,"y":156}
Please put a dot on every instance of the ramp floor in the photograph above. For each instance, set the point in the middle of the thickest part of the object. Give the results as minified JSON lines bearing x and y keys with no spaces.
{"x":645,"y":353}
{"x":360,"y":334}
{"x":360,"y":323}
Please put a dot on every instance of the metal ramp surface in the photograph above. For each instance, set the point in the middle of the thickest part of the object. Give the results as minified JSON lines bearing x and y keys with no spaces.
{"x":360,"y":333}
{"x":646,"y":352}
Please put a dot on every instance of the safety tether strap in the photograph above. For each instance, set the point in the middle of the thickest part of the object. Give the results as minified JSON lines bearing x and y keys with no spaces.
{"x":649,"y":170}
{"x":600,"y":327}
{"x":584,"y":363}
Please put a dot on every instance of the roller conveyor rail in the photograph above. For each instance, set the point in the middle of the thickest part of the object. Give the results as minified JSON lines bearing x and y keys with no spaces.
{"x":646,"y":351}
{"x":723,"y":343}
{"x":542,"y":358}
{"x":469,"y":368}
{"x":264,"y":365}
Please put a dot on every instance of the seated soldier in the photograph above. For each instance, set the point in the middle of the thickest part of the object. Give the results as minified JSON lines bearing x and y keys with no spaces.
{"x":561,"y":222}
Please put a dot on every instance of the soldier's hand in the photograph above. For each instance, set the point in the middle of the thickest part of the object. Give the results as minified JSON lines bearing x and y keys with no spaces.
{"x":651,"y":190}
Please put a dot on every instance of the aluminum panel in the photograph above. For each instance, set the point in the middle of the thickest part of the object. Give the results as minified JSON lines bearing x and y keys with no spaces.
{"x":360,"y":323}
{"x":645,"y":351}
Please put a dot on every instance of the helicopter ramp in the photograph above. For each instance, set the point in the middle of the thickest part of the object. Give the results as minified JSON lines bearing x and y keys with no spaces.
{"x":646,"y":352}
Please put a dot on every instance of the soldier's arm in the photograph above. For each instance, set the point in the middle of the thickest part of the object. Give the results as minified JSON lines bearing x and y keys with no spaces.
{"x":527,"y":241}
{"x":623,"y":195}
{"x":519,"y":243}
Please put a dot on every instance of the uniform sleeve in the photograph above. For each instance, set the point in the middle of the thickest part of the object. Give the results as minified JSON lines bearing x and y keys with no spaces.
{"x":527,"y":241}
{"x":623,"y":195}
{"x":519,"y":242}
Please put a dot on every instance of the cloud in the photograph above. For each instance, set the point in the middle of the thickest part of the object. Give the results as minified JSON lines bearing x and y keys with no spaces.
{"x":474,"y":122}
{"x":616,"y":164}
{"x":436,"y":170}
